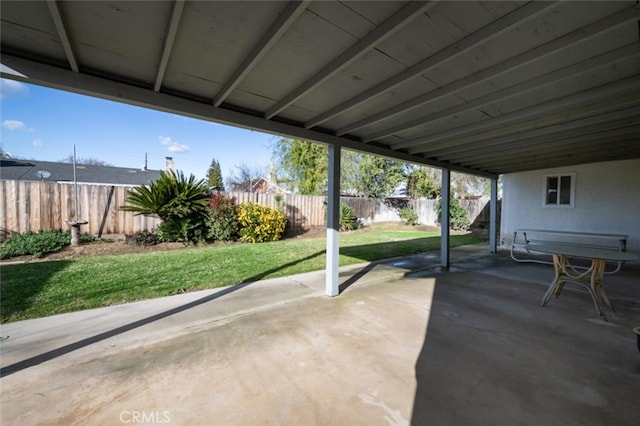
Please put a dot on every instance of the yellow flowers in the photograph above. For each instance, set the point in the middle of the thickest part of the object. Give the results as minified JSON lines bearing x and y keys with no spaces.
{"x":260,"y":223}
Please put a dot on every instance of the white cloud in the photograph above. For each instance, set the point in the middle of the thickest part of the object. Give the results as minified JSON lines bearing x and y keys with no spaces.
{"x":36,"y":142}
{"x":173,"y":146}
{"x":13,"y":125}
{"x":11,"y":88}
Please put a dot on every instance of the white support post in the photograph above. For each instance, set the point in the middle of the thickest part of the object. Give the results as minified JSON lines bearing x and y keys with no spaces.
{"x":444,"y":218}
{"x":333,"y":222}
{"x":493,"y":217}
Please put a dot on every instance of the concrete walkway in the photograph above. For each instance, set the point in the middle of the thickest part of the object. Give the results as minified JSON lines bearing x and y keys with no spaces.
{"x":405,"y":343}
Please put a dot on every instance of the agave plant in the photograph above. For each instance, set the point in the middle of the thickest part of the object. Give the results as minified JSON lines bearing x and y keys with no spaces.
{"x":348,"y":220}
{"x":174,"y":199}
{"x":172,"y":195}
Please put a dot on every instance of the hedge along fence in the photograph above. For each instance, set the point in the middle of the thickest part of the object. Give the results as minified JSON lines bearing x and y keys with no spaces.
{"x":371,"y":210}
{"x":32,"y":206}
{"x":305,"y":211}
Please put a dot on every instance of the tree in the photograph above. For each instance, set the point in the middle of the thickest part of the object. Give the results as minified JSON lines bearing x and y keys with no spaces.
{"x":244,"y":177}
{"x":377,"y":177}
{"x":302,"y":165}
{"x":465,"y":184}
{"x":214,"y":176}
{"x":350,"y":171}
{"x":423,"y":182}
{"x":427,"y":182}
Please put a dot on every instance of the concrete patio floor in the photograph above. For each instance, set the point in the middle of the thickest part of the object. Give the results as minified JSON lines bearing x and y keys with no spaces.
{"x":405,"y":343}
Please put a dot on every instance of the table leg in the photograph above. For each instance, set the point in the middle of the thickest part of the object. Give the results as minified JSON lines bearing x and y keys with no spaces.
{"x":591,"y":279}
{"x":557,"y":283}
{"x":596,"y":270}
{"x":597,"y":282}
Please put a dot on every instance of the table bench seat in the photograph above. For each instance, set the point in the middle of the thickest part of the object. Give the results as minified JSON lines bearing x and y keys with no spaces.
{"x":525,"y":240}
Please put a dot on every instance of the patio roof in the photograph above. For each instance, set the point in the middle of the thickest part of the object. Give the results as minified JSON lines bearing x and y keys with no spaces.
{"x":479,"y":87}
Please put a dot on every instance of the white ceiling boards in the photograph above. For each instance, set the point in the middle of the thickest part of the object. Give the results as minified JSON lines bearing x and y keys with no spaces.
{"x":482,"y":87}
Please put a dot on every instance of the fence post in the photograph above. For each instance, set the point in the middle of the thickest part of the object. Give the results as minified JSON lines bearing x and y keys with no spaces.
{"x":106,"y":210}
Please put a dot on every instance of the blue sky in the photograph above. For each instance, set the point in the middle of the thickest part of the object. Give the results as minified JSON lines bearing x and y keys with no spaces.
{"x":43,"y":124}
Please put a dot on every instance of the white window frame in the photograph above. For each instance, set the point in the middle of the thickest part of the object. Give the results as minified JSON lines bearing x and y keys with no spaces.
{"x":572,"y":194}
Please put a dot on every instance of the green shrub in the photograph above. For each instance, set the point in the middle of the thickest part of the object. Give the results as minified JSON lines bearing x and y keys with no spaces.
{"x":181,"y":203}
{"x":85,"y":237}
{"x":458,"y":217}
{"x":36,"y":244}
{"x":348,"y":220}
{"x":409,"y":216}
{"x":182,"y":229}
{"x":222,"y":223}
{"x":143,"y":238}
{"x":260,"y":223}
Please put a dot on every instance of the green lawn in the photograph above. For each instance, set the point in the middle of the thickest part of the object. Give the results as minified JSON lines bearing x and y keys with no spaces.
{"x":38,"y":289}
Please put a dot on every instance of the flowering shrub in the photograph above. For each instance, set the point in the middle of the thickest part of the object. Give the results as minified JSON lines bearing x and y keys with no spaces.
{"x":260,"y":223}
{"x":222,"y":222}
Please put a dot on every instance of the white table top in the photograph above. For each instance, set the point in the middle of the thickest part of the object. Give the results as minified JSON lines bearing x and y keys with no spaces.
{"x":583,"y":252}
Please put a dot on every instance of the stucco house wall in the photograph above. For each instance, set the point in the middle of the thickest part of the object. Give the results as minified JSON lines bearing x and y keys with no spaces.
{"x":606,"y":200}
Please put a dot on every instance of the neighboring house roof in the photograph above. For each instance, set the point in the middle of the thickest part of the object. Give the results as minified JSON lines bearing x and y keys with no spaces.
{"x":400,"y":192}
{"x":266,"y":186}
{"x":12,"y":169}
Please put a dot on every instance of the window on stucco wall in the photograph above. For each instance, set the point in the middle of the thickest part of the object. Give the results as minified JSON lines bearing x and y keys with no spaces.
{"x":559,"y":190}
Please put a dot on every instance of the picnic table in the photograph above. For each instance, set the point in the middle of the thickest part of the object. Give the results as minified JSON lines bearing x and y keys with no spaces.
{"x":592,"y":278}
{"x":530,"y":237}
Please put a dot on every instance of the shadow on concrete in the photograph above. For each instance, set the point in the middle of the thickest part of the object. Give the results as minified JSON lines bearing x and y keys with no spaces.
{"x":366,"y":253}
{"x":355,"y":277}
{"x":38,"y":359}
{"x":47,"y":356}
{"x":493,"y":355}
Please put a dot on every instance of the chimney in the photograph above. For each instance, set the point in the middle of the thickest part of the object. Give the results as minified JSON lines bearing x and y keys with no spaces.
{"x":144,"y":166}
{"x":169,"y":163}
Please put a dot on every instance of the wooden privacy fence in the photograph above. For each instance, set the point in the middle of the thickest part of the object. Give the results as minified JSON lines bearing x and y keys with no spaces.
{"x":32,"y":206}
{"x":302,"y":211}
{"x":306,"y":211}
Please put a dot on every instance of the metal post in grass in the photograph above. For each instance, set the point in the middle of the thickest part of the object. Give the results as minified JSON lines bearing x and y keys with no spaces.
{"x":75,"y":223}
